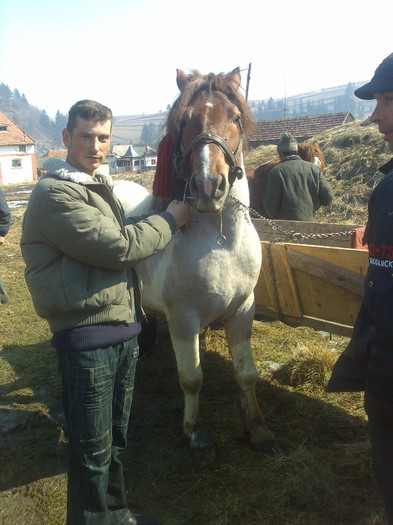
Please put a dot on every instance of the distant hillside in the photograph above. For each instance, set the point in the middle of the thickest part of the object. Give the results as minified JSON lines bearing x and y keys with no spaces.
{"x":45,"y":131}
{"x":128,"y":129}
{"x":326,"y":100}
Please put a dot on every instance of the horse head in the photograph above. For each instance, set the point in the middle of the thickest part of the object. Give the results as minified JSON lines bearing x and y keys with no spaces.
{"x":207,"y":122}
{"x":312,"y":152}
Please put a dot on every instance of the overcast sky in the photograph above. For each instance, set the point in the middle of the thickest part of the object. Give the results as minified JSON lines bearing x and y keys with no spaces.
{"x":124,"y":53}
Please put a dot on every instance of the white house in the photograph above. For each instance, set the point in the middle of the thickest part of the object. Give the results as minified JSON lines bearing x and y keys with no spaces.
{"x":134,"y":158}
{"x":17,"y":157}
{"x":111,"y":163}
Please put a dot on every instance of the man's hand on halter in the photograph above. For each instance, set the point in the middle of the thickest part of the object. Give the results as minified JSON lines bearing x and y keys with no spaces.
{"x":181,"y":213}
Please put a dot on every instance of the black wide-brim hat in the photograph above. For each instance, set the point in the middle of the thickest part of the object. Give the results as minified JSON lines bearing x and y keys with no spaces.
{"x":381,"y":82}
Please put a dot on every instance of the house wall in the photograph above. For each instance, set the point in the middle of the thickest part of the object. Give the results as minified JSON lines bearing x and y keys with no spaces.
{"x":144,"y":163}
{"x":16,"y":165}
{"x":123,"y":165}
{"x":112,"y":165}
{"x":151,"y":161}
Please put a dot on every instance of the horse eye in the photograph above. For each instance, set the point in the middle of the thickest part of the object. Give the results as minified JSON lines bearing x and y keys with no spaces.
{"x":236,"y":120}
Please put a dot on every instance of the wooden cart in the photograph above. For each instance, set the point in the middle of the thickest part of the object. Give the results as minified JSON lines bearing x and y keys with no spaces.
{"x":317,"y":282}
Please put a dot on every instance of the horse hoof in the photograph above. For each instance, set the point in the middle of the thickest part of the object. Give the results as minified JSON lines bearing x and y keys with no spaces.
{"x":202,"y":447}
{"x":269,"y":448}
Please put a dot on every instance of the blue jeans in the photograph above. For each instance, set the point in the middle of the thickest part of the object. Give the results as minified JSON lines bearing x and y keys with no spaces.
{"x":97,"y":395}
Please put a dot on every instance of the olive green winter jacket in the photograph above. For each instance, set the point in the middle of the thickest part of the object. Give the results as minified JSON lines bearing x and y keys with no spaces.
{"x":295,"y":190}
{"x":78,"y":251}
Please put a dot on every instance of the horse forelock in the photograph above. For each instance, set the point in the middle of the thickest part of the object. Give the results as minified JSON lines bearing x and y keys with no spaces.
{"x":210,"y":83}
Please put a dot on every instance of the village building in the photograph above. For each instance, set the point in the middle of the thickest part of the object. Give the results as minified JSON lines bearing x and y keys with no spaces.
{"x":17,"y":156}
{"x":134,"y":158}
{"x":302,"y":128}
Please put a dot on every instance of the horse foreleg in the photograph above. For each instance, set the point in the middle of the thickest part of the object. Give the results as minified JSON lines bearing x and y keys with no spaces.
{"x":238,"y":332}
{"x":191,"y":379}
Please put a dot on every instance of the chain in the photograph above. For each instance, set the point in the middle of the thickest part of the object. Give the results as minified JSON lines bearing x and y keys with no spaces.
{"x":292,"y":234}
{"x":276,"y":297}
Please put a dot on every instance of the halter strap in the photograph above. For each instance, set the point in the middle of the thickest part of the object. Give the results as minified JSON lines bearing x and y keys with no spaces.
{"x":212,"y":138}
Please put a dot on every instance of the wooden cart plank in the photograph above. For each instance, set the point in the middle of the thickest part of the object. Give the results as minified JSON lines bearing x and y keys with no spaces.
{"x":311,"y":285}
{"x":331,"y":273}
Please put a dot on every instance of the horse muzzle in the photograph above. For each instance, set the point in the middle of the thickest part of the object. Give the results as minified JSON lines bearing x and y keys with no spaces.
{"x":209,"y":192}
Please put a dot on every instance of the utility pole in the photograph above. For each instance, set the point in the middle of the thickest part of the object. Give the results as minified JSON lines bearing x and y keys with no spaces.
{"x":248,"y":80}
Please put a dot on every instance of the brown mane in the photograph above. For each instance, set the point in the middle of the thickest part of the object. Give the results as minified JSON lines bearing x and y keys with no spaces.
{"x":221,"y":83}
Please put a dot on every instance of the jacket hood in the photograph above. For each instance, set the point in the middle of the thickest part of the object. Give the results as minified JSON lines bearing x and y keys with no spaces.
{"x":62,"y":170}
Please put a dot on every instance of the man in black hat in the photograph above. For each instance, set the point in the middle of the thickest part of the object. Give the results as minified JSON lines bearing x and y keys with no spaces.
{"x":367,"y":363}
{"x":295,"y":188}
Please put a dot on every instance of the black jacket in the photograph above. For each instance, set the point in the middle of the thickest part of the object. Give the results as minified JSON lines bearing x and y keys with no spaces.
{"x":367,"y":363}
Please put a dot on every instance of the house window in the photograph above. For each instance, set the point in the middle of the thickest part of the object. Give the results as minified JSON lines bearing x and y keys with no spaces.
{"x":16,"y":163}
{"x":153,"y":162}
{"x":22,"y":148}
{"x":136,"y":163}
{"x":3,"y":128}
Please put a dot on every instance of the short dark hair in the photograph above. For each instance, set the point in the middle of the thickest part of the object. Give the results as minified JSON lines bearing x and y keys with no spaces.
{"x":89,"y":110}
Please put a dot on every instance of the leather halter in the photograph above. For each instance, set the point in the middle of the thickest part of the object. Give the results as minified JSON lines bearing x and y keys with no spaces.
{"x":182,"y":159}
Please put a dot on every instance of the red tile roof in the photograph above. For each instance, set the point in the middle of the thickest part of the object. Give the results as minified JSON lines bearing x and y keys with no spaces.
{"x":62,"y":153}
{"x":13,"y":134}
{"x":270,"y":131}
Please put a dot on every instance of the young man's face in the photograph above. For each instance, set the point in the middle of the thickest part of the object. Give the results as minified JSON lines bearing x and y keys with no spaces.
{"x":88,"y":144}
{"x":383,"y":116}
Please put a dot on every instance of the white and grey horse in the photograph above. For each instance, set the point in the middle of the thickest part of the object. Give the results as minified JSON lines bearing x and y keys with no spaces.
{"x":208,"y":272}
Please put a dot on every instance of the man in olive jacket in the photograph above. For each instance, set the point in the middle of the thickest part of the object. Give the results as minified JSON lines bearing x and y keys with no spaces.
{"x":80,"y":258}
{"x":295,"y":188}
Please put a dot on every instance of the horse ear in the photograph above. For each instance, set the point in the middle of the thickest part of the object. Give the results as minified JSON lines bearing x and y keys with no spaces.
{"x":181,"y":79}
{"x":236,"y":78}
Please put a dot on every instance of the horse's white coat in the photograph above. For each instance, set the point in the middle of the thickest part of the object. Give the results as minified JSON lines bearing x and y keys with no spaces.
{"x":194,"y":281}
{"x":139,"y":198}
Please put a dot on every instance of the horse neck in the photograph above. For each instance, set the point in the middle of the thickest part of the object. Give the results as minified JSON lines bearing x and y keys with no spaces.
{"x":240,"y":188}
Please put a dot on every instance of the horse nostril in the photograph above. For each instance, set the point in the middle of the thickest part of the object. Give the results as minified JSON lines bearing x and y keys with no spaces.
{"x":221,"y":186}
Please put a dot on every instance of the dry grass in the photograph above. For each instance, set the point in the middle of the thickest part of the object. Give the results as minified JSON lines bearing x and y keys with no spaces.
{"x":322,"y":477}
{"x":353,"y":154}
{"x":309,"y":368}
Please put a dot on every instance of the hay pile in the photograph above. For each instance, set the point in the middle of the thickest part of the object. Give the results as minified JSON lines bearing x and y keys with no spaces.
{"x":353,"y":154}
